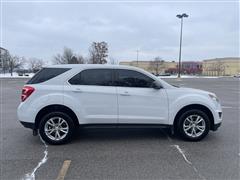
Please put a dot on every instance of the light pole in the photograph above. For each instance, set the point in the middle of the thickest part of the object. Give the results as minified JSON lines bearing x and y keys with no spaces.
{"x":180,"y":16}
{"x":137,"y":56}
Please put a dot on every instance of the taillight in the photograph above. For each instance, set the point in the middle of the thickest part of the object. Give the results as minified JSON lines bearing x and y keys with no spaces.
{"x":26,"y":92}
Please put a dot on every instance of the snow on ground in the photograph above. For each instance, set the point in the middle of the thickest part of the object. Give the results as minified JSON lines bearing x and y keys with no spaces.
{"x":187,"y":76}
{"x":15,"y":75}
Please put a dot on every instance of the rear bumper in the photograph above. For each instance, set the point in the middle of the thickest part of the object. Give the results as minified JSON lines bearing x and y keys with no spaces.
{"x":28,"y":125}
{"x":216,"y":126}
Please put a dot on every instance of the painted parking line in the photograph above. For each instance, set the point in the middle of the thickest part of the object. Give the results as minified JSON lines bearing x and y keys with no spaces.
{"x":64,"y":170}
{"x":227,"y":107}
{"x":230,"y":107}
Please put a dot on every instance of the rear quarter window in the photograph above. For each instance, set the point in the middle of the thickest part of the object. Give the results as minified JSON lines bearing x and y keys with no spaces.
{"x":46,"y":74}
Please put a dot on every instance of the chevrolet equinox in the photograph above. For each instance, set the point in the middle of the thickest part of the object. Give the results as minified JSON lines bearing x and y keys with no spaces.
{"x":61,"y":98}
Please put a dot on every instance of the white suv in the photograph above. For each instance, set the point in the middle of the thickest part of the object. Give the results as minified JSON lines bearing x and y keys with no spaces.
{"x":60,"y":98}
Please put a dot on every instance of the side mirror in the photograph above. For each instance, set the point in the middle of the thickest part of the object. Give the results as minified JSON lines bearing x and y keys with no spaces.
{"x":156,"y":85}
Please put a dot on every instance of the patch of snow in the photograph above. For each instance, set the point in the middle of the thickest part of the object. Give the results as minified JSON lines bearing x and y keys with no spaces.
{"x":227,"y":107}
{"x":188,"y":76}
{"x":31,"y":176}
{"x":15,"y":75}
{"x":189,"y":162}
{"x":182,"y":153}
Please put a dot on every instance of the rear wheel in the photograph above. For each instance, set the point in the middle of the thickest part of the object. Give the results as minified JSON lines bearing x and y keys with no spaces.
{"x":56,"y":128}
{"x":193,"y":125}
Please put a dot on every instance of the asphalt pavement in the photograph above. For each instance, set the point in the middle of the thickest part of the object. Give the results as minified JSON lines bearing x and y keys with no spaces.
{"x":123,"y":153}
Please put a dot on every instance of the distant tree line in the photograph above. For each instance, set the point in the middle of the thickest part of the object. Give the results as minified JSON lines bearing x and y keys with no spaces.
{"x":11,"y":63}
{"x":98,"y":53}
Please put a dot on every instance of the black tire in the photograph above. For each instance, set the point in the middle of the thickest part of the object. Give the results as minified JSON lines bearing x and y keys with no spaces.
{"x":194,"y":113}
{"x":68,"y":123}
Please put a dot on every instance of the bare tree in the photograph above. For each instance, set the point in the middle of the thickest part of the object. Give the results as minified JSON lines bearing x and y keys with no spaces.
{"x":98,"y":53}
{"x":112,"y":60}
{"x":65,"y":58}
{"x":68,"y":57}
{"x":219,"y":68}
{"x":81,"y":59}
{"x":5,"y":61}
{"x":210,"y":69}
{"x":215,"y":68}
{"x":73,"y":60}
{"x":156,"y":65}
{"x":57,"y":59}
{"x":15,"y":62}
{"x":35,"y":64}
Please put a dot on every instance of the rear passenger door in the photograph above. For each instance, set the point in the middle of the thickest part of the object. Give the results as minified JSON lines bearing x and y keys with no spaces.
{"x":94,"y":90}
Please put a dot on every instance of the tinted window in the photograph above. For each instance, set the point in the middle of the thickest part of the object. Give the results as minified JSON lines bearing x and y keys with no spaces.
{"x":97,"y":77}
{"x":129,"y":78}
{"x":46,"y":74}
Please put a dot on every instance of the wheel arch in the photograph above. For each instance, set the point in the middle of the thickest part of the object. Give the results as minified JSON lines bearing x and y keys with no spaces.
{"x":52,"y":108}
{"x":198,"y":107}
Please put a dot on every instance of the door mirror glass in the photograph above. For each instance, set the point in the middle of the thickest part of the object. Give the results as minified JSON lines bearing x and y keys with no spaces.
{"x":156,"y":85}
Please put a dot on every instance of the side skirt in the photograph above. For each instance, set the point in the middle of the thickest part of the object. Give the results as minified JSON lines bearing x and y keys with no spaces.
{"x":125,"y":126}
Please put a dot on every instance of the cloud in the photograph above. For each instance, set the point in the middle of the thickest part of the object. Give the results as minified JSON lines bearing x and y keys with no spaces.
{"x":43,"y":29}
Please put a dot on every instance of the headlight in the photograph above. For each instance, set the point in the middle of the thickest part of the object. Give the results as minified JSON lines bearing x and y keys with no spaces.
{"x":213,"y":97}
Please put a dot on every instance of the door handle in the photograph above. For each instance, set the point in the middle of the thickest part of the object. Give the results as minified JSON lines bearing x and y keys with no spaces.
{"x":77,"y":90}
{"x":125,"y":94}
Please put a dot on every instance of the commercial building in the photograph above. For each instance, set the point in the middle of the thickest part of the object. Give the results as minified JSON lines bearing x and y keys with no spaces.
{"x":188,"y":67}
{"x":4,"y":59}
{"x":149,"y":66}
{"x":228,"y":66}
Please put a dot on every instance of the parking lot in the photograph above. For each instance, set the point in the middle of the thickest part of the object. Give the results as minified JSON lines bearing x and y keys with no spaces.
{"x":124,"y":153}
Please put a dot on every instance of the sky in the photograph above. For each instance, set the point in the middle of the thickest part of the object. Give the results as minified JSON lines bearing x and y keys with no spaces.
{"x":43,"y":29}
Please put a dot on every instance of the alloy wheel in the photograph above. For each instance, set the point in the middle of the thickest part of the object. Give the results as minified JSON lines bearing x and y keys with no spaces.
{"x":56,"y":128}
{"x":194,"y":126}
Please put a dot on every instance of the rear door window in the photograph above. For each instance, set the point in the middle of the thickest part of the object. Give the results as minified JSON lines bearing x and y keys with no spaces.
{"x":46,"y":74}
{"x":94,"y":77}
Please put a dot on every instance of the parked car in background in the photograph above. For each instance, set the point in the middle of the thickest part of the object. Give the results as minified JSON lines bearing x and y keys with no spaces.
{"x":165,"y":74}
{"x":23,"y":72}
{"x":237,"y":75}
{"x":20,"y":74}
{"x":61,"y":98}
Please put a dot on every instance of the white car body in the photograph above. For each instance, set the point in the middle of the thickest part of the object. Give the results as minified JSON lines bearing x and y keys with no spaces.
{"x":112,"y":104}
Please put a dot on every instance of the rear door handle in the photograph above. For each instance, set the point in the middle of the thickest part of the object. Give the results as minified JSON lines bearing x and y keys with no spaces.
{"x":125,"y":94}
{"x":77,"y":90}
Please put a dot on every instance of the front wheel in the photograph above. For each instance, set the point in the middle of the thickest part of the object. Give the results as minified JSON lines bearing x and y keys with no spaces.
{"x":193,"y":125}
{"x":56,"y":128}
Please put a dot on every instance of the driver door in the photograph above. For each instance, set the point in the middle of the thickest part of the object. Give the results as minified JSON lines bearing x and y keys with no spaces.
{"x":138,"y":102}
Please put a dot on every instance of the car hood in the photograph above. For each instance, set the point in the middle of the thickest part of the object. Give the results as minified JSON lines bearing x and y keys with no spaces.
{"x":192,"y":90}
